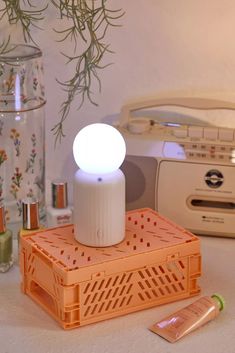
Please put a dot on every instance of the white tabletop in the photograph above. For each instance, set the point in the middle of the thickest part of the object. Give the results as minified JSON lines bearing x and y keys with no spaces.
{"x":25,"y":327}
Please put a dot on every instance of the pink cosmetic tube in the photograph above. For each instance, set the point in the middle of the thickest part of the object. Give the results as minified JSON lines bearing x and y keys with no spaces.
{"x":188,"y":319}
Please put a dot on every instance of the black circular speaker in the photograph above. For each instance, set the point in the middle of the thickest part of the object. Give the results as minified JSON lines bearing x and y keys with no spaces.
{"x":214,"y":178}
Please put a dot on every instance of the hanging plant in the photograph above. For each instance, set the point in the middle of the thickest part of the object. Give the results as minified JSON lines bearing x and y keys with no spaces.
{"x":87,"y":22}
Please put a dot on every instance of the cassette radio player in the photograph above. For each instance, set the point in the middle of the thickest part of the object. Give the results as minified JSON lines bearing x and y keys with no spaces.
{"x":186,"y":172}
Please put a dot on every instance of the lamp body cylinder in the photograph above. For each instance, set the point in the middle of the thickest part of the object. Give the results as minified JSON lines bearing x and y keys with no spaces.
{"x":99,"y":208}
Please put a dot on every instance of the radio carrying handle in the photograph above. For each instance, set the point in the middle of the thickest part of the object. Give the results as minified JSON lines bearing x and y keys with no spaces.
{"x":202,"y":103}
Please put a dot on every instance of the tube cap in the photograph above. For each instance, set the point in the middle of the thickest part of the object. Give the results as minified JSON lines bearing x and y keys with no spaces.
{"x":220,"y":300}
{"x":30,"y":207}
{"x":59,"y":194}
{"x":2,"y":219}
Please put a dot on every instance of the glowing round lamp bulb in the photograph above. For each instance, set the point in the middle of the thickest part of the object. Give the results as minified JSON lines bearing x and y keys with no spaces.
{"x":99,"y":186}
{"x":99,"y":149}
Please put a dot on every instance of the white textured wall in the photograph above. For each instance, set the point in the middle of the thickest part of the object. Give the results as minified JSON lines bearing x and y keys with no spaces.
{"x":163,"y":45}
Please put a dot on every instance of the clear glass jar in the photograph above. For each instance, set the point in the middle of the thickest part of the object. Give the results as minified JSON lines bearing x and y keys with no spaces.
{"x":22,"y":131}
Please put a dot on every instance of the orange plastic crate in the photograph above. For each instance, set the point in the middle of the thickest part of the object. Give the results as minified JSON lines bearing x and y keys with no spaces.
{"x":158,"y":262}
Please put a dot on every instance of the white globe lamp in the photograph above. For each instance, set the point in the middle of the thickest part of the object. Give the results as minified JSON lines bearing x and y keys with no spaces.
{"x":99,"y":186}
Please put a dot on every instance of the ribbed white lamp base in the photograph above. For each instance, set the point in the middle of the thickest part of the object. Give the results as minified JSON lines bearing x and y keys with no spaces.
{"x":99,"y":208}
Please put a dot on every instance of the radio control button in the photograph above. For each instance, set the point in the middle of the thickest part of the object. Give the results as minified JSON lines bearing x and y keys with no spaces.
{"x":231,"y":159}
{"x":211,"y":133}
{"x":226,"y":134}
{"x":199,"y":155}
{"x":221,"y":156}
{"x":222,"y":149}
{"x":190,"y":154}
{"x":180,"y":132}
{"x":195,"y":132}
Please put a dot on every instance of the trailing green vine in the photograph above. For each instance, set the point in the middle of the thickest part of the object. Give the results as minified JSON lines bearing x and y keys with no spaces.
{"x":87,"y":24}
{"x":27,"y":16}
{"x":4,"y":46}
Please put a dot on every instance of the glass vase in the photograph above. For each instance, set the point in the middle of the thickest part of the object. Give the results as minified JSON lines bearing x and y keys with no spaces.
{"x":22,"y":131}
